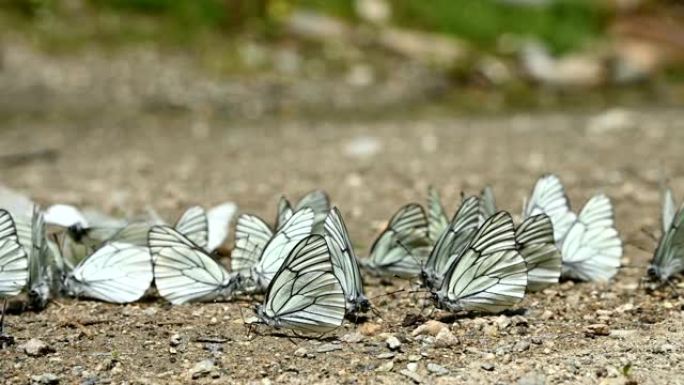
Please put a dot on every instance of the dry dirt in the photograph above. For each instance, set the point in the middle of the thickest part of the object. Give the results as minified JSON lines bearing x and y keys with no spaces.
{"x":122,"y":163}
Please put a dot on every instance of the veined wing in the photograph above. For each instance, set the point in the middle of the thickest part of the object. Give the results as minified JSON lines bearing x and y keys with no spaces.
{"x":116,"y":272}
{"x":219,"y":223}
{"x":548,"y":197}
{"x":491,"y":276}
{"x":436,"y":216}
{"x":194,"y":224}
{"x":592,"y":248}
{"x":294,"y":230}
{"x":251,"y":237}
{"x":487,"y":204}
{"x":538,"y":247}
{"x":183,"y":271}
{"x":284,"y":212}
{"x":14,"y":262}
{"x":669,"y":209}
{"x":668,"y":259}
{"x":305,"y":295}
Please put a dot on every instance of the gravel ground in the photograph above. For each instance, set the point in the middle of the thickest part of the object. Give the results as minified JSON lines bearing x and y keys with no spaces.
{"x":572,"y":333}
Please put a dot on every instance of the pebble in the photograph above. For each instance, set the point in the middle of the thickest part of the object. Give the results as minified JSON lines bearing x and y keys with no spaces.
{"x":431,"y":328}
{"x":488,"y":366}
{"x":413,"y":376}
{"x":369,"y":329}
{"x":445,"y":338}
{"x":437,"y":370}
{"x":352,"y":338}
{"x":664,"y":348}
{"x":412,"y":366}
{"x":175,"y":340}
{"x":393,"y":343}
{"x":521,"y":346}
{"x":597,"y":330}
{"x":503,"y":322}
{"x":150,"y":311}
{"x":414,"y":358}
{"x":45,"y":379}
{"x":532,"y":378}
{"x":622,"y":333}
{"x":36,"y":348}
{"x":301,"y":352}
{"x":386,"y":367}
{"x":202,"y":369}
{"x":325,"y":348}
{"x":491,"y":331}
{"x":386,"y":355}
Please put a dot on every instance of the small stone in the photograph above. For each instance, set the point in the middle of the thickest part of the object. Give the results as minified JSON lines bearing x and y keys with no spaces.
{"x":150,"y":311}
{"x":547,"y":315}
{"x":175,"y":340}
{"x":36,"y":348}
{"x":352,"y":338}
{"x":202,"y":369}
{"x":325,"y":348}
{"x":414,"y":358}
{"x":369,"y":329}
{"x":437,"y":370}
{"x":664,"y":348}
{"x":519,"y":320}
{"x":412,"y":366}
{"x":536,"y":340}
{"x":622,"y":333}
{"x":503,"y":322}
{"x":488,"y":366}
{"x":532,"y":378}
{"x":45,"y":379}
{"x":521,"y":346}
{"x":431,"y":328}
{"x":491,"y":331}
{"x":413,"y":376}
{"x":597,"y":330}
{"x":386,"y":367}
{"x":445,"y":338}
{"x":301,"y":352}
{"x":386,"y":355}
{"x":393,"y":343}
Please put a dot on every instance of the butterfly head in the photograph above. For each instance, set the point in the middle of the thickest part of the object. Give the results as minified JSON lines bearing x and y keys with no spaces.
{"x":77,"y":232}
{"x":360,"y":305}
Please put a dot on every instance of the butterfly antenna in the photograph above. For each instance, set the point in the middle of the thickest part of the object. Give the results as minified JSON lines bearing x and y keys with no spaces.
{"x":388,"y":294}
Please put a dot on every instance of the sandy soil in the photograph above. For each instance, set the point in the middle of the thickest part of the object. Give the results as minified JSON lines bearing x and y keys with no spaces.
{"x":121,"y":163}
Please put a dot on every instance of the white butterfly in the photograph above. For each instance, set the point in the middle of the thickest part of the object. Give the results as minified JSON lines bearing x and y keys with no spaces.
{"x":451,"y":243}
{"x":668,"y":259}
{"x":345,"y":266}
{"x":184,"y":272}
{"x":42,"y":274}
{"x":436,"y":215}
{"x":590,"y":245}
{"x":489,"y":275}
{"x":208,"y":229}
{"x":14,"y":261}
{"x":317,"y":200}
{"x":259,"y":252}
{"x":116,"y":272}
{"x":402,"y":247}
{"x":305,"y":295}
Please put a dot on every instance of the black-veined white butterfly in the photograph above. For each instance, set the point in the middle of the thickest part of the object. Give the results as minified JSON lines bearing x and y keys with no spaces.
{"x":401,"y":249}
{"x":317,"y":200}
{"x":305,"y":295}
{"x":489,"y":275}
{"x":116,"y":272}
{"x":436,"y":215}
{"x":43,"y":277}
{"x":668,"y":260}
{"x":590,"y":245}
{"x":259,"y":253}
{"x":207,"y":229}
{"x":451,"y":242}
{"x":345,"y":266}
{"x":184,"y":272}
{"x":14,"y":261}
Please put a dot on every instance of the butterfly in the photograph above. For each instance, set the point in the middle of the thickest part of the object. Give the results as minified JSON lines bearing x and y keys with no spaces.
{"x":42,"y":275}
{"x":345,"y":266}
{"x":115,"y":272}
{"x":668,"y":259}
{"x":402,"y":247}
{"x":14,"y":261}
{"x":489,"y":275}
{"x":259,"y":252}
{"x":184,"y":271}
{"x":590,"y":245}
{"x":305,"y":295}
{"x":317,"y":200}
{"x":536,"y":244}
{"x":206,"y":228}
{"x":451,"y":242}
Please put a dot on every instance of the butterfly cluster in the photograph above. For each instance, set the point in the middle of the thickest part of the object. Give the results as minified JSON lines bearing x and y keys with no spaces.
{"x":304,"y":268}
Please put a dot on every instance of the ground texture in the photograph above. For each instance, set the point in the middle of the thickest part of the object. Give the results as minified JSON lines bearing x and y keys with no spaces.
{"x":122,"y":163}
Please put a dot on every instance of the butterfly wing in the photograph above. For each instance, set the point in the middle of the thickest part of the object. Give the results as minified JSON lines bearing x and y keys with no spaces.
{"x":343,"y":259}
{"x":251,"y":237}
{"x":219,"y":223}
{"x":437,"y":218}
{"x":116,"y":272}
{"x":490,"y":276}
{"x":294,"y":230}
{"x":669,"y":209}
{"x":194,"y":224}
{"x":548,"y":197}
{"x":668,"y":259}
{"x":183,"y":271}
{"x":538,"y":247}
{"x":284,"y":212}
{"x":305,"y":295}
{"x":452,"y":242}
{"x":487,"y":204}
{"x":14,"y":261}
{"x":592,"y":248}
